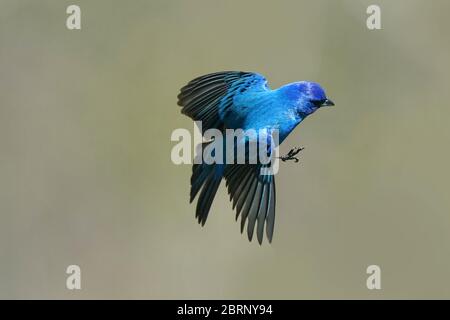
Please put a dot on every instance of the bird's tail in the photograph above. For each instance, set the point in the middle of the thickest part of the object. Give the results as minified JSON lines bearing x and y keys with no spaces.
{"x":206,"y":177}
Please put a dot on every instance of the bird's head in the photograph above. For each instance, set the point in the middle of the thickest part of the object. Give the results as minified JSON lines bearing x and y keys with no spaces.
{"x":311,"y":97}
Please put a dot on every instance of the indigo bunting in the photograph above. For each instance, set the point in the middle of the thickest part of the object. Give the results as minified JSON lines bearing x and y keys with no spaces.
{"x":243,"y":100}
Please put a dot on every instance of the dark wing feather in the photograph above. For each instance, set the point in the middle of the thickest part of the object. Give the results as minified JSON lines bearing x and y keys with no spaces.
{"x":254,"y":195}
{"x":205,"y":97}
{"x":204,"y":178}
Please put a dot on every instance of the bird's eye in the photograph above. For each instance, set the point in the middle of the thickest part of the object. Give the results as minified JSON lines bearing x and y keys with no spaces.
{"x":318,"y":103}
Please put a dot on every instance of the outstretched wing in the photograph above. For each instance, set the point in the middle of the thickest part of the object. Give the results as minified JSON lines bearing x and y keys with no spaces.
{"x":207,"y":97}
{"x":253,"y":196}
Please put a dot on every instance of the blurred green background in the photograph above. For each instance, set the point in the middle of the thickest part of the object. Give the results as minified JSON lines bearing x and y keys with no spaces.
{"x":86,"y":176}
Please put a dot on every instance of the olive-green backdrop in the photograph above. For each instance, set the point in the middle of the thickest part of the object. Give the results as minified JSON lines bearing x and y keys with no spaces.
{"x":85,"y":170}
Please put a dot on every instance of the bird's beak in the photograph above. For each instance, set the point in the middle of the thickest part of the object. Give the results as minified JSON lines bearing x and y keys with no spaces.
{"x":327,"y":103}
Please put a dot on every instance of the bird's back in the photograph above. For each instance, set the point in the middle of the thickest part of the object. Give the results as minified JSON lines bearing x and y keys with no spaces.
{"x":263,"y":109}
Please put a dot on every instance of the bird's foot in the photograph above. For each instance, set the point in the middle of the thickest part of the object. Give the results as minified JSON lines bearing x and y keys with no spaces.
{"x":292,"y":155}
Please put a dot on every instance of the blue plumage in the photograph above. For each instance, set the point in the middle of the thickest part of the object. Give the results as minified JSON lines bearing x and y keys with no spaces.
{"x":242,"y":100}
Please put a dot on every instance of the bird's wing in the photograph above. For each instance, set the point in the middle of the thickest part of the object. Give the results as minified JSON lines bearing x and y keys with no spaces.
{"x":207,"y":97}
{"x":254,"y":196}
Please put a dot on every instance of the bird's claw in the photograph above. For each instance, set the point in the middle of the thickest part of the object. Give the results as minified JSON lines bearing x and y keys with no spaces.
{"x":292,"y":155}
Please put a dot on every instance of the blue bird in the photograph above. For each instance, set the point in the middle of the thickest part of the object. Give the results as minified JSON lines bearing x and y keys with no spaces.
{"x":243,"y":100}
